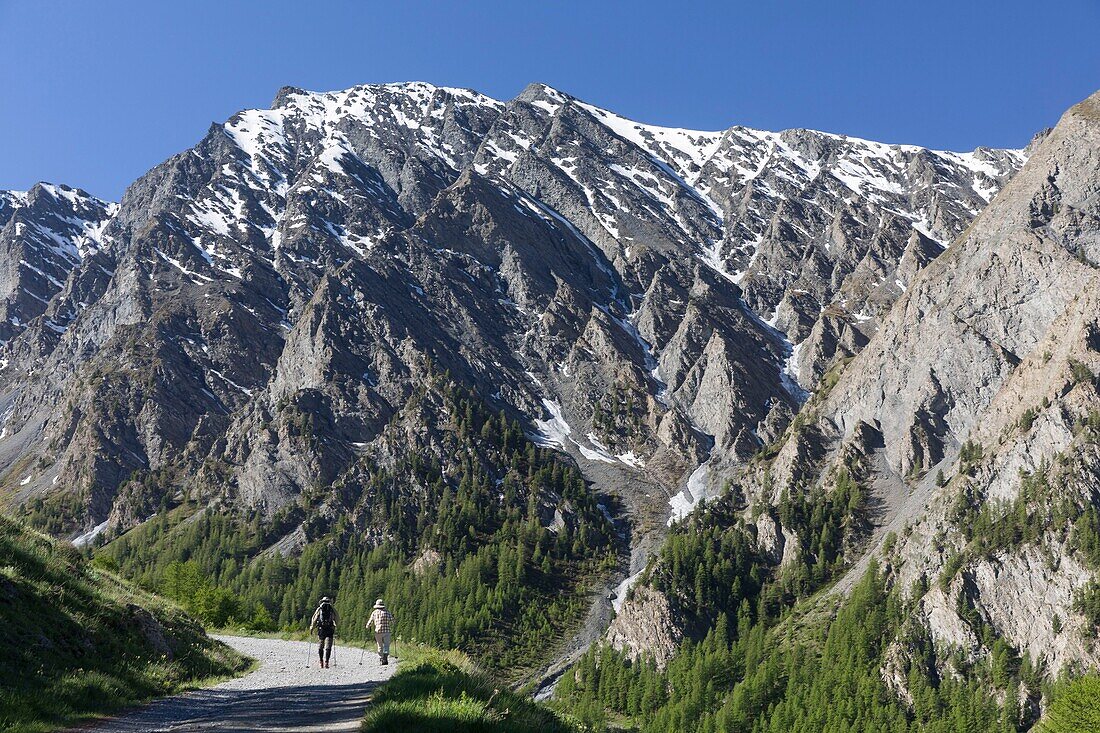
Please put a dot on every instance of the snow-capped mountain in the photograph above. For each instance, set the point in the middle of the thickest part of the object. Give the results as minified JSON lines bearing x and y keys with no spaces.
{"x":656,"y":302}
{"x":970,"y":427}
{"x":805,"y":222}
{"x":44,"y":234}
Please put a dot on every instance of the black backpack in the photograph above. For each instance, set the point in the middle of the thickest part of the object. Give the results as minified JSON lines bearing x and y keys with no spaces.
{"x":327,"y":621}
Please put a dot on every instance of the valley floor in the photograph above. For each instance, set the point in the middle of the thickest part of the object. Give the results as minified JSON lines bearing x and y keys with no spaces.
{"x":282,"y":695}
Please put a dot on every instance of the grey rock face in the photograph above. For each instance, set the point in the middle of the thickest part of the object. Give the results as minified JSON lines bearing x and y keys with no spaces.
{"x":980,"y":309}
{"x":973,"y":413}
{"x":45,"y":233}
{"x":643,"y":298}
{"x":645,"y":625}
{"x":1036,"y":454}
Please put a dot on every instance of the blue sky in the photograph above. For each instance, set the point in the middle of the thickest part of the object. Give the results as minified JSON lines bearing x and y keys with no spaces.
{"x":96,"y":93}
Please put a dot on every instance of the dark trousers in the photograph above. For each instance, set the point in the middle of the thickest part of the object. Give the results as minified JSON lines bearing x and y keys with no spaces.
{"x":324,"y":646}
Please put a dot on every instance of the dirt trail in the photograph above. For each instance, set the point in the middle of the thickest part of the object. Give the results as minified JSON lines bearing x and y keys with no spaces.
{"x":282,"y":696}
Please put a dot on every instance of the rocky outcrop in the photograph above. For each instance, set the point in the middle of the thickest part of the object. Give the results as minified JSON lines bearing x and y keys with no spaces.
{"x":645,"y":626}
{"x":151,"y":630}
{"x":776,"y":543}
{"x":1028,"y":596}
{"x":427,"y":562}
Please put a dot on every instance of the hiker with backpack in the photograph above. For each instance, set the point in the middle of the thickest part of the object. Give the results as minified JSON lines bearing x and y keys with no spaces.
{"x":324,"y":620}
{"x":382,"y":621}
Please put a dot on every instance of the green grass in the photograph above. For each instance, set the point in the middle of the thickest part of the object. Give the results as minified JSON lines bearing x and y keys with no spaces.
{"x":299,"y":635}
{"x":442,"y":692}
{"x":78,"y":642}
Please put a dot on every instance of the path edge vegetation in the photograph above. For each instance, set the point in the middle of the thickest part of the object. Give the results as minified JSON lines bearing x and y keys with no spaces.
{"x":436,"y":691}
{"x":80,"y":643}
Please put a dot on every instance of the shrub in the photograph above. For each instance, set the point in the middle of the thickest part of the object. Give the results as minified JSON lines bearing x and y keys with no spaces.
{"x":1079,"y":372}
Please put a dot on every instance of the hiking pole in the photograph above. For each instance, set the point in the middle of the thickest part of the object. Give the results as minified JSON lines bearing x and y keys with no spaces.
{"x":362,"y":653}
{"x":309,"y":649}
{"x":333,"y":649}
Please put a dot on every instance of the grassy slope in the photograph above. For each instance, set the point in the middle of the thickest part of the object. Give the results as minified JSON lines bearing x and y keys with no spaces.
{"x":77,"y":642}
{"x":442,"y":692}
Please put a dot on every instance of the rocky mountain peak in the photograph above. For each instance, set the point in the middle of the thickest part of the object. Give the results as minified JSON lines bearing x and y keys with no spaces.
{"x":644,"y":298}
{"x":45,"y":233}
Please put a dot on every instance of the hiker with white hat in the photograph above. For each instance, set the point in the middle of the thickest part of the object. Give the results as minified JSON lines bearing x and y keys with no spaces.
{"x":382,"y":621}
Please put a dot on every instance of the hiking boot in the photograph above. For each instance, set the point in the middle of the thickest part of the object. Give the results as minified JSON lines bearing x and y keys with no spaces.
{"x":385,"y":659}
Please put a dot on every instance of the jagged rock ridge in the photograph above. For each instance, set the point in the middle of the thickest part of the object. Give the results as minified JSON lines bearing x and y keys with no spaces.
{"x":656,"y":302}
{"x":974,"y":414}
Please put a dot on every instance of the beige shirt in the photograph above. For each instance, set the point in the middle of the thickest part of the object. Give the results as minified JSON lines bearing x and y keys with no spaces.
{"x":381,"y":620}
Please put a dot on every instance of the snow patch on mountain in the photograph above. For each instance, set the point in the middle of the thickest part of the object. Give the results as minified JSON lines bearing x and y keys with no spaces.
{"x":553,"y":432}
{"x":689,"y":497}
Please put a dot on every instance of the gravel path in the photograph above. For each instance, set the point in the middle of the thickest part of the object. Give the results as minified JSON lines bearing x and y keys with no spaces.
{"x":282,"y":696}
